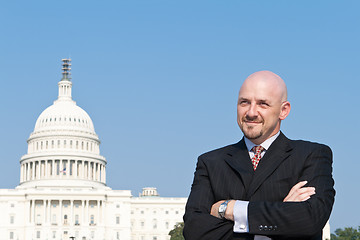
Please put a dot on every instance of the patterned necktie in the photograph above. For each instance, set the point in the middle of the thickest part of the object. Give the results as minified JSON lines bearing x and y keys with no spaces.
{"x":256,"y":159}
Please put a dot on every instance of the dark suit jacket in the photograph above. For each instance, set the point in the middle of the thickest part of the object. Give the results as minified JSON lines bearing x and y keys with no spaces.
{"x":227,"y":173}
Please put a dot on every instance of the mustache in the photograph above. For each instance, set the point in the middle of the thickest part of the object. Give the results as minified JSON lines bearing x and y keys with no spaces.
{"x":252,"y":119}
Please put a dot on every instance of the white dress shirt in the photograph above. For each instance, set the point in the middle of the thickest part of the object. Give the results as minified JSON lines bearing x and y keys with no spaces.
{"x":241,"y":224}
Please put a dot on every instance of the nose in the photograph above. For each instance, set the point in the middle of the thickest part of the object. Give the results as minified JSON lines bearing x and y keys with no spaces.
{"x":252,"y":113}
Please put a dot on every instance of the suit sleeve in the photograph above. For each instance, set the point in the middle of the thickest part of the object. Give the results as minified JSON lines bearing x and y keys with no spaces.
{"x":299,"y":218}
{"x":199,"y":224}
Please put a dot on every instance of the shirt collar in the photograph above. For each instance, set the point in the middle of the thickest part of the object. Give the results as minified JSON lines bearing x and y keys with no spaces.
{"x":266,"y":144}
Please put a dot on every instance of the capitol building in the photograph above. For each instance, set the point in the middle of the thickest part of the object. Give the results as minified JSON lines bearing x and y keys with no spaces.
{"x":63,"y":193}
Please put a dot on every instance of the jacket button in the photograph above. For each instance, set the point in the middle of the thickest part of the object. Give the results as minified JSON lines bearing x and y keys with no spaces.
{"x":270,"y":228}
{"x":275,"y":227}
{"x":261,"y":227}
{"x":265,"y":228}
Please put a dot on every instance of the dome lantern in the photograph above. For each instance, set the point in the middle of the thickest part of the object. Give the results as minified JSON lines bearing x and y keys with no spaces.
{"x":65,"y":83}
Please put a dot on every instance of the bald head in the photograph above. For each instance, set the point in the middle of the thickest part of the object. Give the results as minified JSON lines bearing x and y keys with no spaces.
{"x":262,"y":105}
{"x":269,"y":81}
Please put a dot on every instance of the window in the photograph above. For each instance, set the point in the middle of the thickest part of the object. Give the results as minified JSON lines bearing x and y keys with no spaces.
{"x":12,"y":218}
{"x":154,"y":224}
{"x":117,"y":219}
{"x":54,"y":234}
{"x":142,"y":212}
{"x":92,"y":219}
{"x":65,"y":219}
{"x":92,"y":234}
{"x":54,"y":219}
{"x":37,"y":234}
{"x":38,"y":219}
{"x":154,"y":238}
{"x":117,"y":235}
{"x":12,"y":205}
{"x":77,"y":220}
{"x":176,"y":212}
{"x":11,"y":235}
{"x":117,"y":206}
{"x":142,"y":224}
{"x":166,"y":212}
{"x":167,"y":225}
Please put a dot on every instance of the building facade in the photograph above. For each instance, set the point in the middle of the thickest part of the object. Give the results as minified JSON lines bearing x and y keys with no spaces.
{"x":63,"y":193}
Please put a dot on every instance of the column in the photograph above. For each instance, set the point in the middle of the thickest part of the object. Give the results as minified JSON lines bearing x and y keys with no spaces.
{"x":68,"y":168}
{"x":28,"y":212}
{"x":21,"y":172}
{"x":46,"y":169}
{"x":89,"y":170}
{"x":44,"y":212}
{"x":38,"y":169}
{"x":98,"y":166}
{"x":97,"y":220}
{"x":82,"y":212}
{"x":75,"y":169}
{"x":61,"y":168}
{"x":33,"y":211}
{"x":72,"y":212}
{"x":27,"y":171}
{"x":83,"y":169}
{"x":48,"y":212}
{"x":87,"y":213}
{"x":104,"y":174}
{"x":61,"y":216}
{"x":94,"y":171}
{"x":33,"y":170}
{"x":103,"y":208}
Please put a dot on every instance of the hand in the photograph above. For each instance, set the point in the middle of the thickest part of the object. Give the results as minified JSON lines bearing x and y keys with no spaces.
{"x":229,"y":214}
{"x":298,"y":193}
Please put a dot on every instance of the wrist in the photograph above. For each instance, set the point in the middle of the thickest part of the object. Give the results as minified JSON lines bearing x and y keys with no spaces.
{"x":229,"y":213}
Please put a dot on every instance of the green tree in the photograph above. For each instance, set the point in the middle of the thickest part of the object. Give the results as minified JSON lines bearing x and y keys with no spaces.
{"x":177,"y":232}
{"x":348,"y":233}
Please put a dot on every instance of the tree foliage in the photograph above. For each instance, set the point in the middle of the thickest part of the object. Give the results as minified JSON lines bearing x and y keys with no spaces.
{"x":177,"y":232}
{"x":348,"y":233}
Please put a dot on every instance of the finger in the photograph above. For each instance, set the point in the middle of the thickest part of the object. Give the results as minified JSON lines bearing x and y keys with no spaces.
{"x":297,"y":186}
{"x":294,"y":188}
{"x":300,"y":197}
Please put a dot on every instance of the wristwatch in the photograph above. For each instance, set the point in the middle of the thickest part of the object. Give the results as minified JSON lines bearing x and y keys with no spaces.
{"x":222,"y":209}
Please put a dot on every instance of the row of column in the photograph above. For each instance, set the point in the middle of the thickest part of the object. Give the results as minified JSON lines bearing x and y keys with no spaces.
{"x":46,"y":212}
{"x":79,"y":169}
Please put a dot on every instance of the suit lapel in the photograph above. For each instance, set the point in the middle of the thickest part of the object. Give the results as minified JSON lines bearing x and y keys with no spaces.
{"x":238,"y":159}
{"x":279,"y":151}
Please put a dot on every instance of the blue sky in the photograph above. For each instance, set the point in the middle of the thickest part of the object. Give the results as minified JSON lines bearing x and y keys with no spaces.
{"x":160,"y":80}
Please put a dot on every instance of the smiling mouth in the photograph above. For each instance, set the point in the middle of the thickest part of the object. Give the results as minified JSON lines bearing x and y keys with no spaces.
{"x":251,"y":122}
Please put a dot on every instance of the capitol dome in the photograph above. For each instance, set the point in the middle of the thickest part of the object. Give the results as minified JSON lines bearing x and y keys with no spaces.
{"x":64,"y":115}
{"x":63,"y":145}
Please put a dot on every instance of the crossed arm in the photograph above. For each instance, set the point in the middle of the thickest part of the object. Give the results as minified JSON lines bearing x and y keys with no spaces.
{"x":298,"y":193}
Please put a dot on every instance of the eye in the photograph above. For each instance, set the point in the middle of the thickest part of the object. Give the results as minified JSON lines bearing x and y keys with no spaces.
{"x":243,"y":102}
{"x":264,"y":104}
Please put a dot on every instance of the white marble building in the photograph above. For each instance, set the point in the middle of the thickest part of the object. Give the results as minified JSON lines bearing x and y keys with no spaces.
{"x":62,"y":192}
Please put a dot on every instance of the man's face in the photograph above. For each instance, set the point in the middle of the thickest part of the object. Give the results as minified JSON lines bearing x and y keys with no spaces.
{"x":258,"y":110}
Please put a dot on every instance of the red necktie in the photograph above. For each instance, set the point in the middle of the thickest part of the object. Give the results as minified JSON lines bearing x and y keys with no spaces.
{"x":256,"y":159}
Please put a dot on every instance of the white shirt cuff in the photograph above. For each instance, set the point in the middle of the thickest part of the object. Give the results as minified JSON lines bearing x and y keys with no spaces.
{"x":241,"y":217}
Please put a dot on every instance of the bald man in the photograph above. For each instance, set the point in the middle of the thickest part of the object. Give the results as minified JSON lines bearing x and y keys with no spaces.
{"x":266,"y":186}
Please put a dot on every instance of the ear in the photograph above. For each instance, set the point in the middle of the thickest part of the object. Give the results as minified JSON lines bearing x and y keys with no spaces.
{"x":285,"y":110}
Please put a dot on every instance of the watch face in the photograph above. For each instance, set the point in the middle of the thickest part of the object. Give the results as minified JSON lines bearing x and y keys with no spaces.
{"x":222,"y":208}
